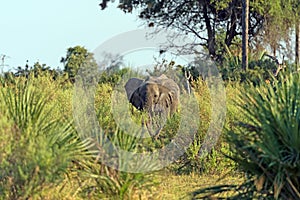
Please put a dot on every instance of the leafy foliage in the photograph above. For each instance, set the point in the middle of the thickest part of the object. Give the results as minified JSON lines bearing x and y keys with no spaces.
{"x":39,"y":149}
{"x":36,"y":70}
{"x":280,"y":17}
{"x":266,"y":144}
{"x":217,"y":24}
{"x":202,"y":20}
{"x":110,"y":181}
{"x":112,"y":77}
{"x":260,"y":68}
{"x":27,"y":142}
{"x":76,"y":58}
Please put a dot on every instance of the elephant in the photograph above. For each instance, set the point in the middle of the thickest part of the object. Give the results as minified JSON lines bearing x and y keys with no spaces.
{"x":159,"y":96}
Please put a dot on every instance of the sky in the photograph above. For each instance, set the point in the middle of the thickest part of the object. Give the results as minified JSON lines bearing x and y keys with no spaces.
{"x":36,"y":30}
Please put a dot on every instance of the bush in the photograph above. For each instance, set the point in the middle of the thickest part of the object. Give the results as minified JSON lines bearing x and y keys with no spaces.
{"x":39,"y":146}
{"x":216,"y":161}
{"x":259,"y":69}
{"x":106,"y":174}
{"x":114,"y":182}
{"x":38,"y":150}
{"x":266,"y":144}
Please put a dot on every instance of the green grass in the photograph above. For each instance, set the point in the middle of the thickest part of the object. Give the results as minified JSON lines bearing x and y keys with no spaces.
{"x":266,"y":142}
{"x":42,"y":156}
{"x":174,"y":186}
{"x":38,"y":148}
{"x":171,"y":187}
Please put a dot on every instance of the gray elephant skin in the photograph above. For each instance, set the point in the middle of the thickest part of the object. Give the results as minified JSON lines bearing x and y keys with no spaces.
{"x":154,"y":94}
{"x":159,"y":96}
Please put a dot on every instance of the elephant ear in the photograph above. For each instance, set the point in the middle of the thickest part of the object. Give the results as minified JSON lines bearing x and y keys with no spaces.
{"x":131,"y":86}
{"x":171,"y":96}
{"x":137,"y":100}
{"x":170,"y":101}
{"x":166,"y":97}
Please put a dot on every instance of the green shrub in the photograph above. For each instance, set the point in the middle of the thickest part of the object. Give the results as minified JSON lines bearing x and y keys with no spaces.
{"x":112,"y":180}
{"x":216,"y":161}
{"x":38,"y":149}
{"x":259,"y":69}
{"x":107,"y":175}
{"x":266,"y":144}
{"x":112,"y":77}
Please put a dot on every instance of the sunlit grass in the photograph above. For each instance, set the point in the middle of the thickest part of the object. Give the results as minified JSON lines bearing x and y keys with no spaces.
{"x":49,"y":102}
{"x":175,"y":187}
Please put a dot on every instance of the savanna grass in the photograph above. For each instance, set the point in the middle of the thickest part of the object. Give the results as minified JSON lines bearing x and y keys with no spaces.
{"x":39,"y":149}
{"x":266,"y":143}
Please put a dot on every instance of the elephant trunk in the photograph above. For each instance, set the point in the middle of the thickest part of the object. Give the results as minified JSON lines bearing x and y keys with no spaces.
{"x":157,"y":109}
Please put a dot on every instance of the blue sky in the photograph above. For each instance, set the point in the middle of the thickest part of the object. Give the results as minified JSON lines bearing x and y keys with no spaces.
{"x":36,"y":30}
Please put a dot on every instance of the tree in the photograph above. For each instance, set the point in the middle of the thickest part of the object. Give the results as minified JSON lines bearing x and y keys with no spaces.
{"x":245,"y":35}
{"x":297,"y":46}
{"x":37,"y":70}
{"x":76,"y":58}
{"x":216,"y":24}
{"x":296,"y":10}
{"x":279,"y":16}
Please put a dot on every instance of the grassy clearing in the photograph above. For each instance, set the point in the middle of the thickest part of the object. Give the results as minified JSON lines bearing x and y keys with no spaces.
{"x":181,"y":186}
{"x":170,"y":186}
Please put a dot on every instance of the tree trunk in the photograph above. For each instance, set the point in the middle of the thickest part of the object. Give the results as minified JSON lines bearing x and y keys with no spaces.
{"x":297,"y":58}
{"x":245,"y":24}
{"x":210,"y":33}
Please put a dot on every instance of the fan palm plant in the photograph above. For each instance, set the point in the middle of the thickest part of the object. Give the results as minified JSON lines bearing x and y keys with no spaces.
{"x":267,"y":144}
{"x":40,"y":148}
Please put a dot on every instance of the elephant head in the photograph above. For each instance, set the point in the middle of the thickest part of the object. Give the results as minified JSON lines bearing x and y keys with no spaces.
{"x":159,"y":96}
{"x":155,"y":94}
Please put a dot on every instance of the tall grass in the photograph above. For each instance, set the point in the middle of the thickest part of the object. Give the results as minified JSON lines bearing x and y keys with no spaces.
{"x":38,"y":149}
{"x":41,"y":152}
{"x":112,"y":181}
{"x":267,"y":143}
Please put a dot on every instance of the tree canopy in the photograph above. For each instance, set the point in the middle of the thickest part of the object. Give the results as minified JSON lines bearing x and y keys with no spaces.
{"x":77,"y":57}
{"x":217,"y":25}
